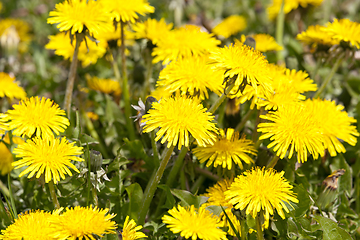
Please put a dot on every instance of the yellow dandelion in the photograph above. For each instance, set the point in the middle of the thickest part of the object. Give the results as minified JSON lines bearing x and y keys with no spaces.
{"x":152,"y":29}
{"x":265,"y":42}
{"x":289,"y":5}
{"x":194,"y":223}
{"x":228,"y":148}
{"x":230,"y":26}
{"x":216,"y":197}
{"x":79,"y":15}
{"x":316,"y":35}
{"x":106,"y":35}
{"x":40,"y":116}
{"x":30,"y":225}
{"x":10,"y":88}
{"x":13,"y":28}
{"x":177,"y":118}
{"x":243,"y":63}
{"x":287,"y":85}
{"x":103,"y":85}
{"x":83,"y":223}
{"x":6,"y":157}
{"x":192,"y":76}
{"x":344,"y":30}
{"x":260,"y":190}
{"x":294,"y":127}
{"x":127,"y":11}
{"x":183,"y":43}
{"x":50,"y":156}
{"x":130,"y":230}
{"x":89,"y":51}
{"x":160,"y":93}
{"x":93,"y":116}
{"x":336,"y":125}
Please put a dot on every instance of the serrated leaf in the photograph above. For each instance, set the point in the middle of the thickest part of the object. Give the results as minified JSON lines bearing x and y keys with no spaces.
{"x":331,"y":231}
{"x":86,"y":139}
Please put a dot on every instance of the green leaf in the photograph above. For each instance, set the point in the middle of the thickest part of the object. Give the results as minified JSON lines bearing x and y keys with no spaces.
{"x":86,"y":139}
{"x":304,"y":201}
{"x":135,"y":199}
{"x":170,"y":200}
{"x":331,"y":231}
{"x":188,"y":199}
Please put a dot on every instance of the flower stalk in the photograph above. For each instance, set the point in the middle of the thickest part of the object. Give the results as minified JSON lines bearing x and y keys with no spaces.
{"x":259,"y":232}
{"x":72,"y":75}
{"x":152,"y":185}
{"x":218,"y":102}
{"x":280,"y":33}
{"x":125,"y":86}
{"x":53,"y":195}
{"x":330,"y":76}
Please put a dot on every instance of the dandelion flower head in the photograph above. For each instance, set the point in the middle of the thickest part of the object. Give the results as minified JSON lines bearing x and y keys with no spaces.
{"x":243,"y":63}
{"x":40,"y":116}
{"x":260,"y":190}
{"x":30,"y":225}
{"x":336,"y":125}
{"x":265,"y":42}
{"x":192,"y":76}
{"x":289,"y":5}
{"x":184,"y":42}
{"x":296,"y":128}
{"x":230,"y":26}
{"x":15,"y":28}
{"x":103,"y":85}
{"x":152,"y":29}
{"x":130,"y":230}
{"x":89,"y":51}
{"x":10,"y":88}
{"x":178,"y":117}
{"x":344,"y":30}
{"x":50,"y":156}
{"x":316,"y":35}
{"x":79,"y":15}
{"x":216,"y":197}
{"x":228,"y":148}
{"x":288,"y":85}
{"x":127,"y":11}
{"x":194,"y":223}
{"x":83,"y":222}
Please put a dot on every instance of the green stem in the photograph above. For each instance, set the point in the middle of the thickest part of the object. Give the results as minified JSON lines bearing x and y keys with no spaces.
{"x":240,"y":126}
{"x":280,"y":33}
{"x":72,"y":75}
{"x":273,"y":162}
{"x":218,"y":102}
{"x":259,"y":232}
{"x":330,"y":76}
{"x":87,"y":157}
{"x":326,"y":6}
{"x":172,"y":176}
{"x":94,"y":134}
{"x":12,"y":199}
{"x":255,"y":132}
{"x":53,"y":195}
{"x":152,"y":185}
{"x":149,"y":71}
{"x":125,"y":86}
{"x":4,"y":189}
{"x":154,"y":148}
{"x":243,"y":233}
{"x":206,"y":173}
{"x":176,"y":167}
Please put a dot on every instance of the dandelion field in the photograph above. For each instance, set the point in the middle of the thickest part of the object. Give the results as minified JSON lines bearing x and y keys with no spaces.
{"x":179,"y":119}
